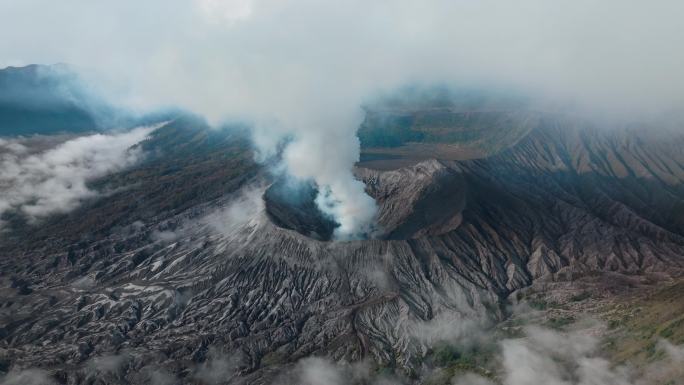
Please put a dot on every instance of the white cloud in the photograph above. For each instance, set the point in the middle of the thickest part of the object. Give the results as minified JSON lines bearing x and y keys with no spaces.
{"x":27,"y":377}
{"x":219,"y":366}
{"x":55,"y":180}
{"x":107,"y":364}
{"x":318,"y":371}
{"x":542,"y":356}
{"x":572,"y":358}
{"x":322,"y":371}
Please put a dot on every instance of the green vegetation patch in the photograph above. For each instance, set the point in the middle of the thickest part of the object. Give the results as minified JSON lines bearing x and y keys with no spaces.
{"x":453,"y":360}
{"x":637,"y":326}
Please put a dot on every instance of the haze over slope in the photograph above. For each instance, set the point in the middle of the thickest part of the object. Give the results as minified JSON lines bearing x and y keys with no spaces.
{"x":44,"y":99}
{"x":56,"y":99}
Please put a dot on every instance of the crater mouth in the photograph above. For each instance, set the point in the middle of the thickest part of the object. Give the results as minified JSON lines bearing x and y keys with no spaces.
{"x":425,"y":199}
{"x":292,"y":206}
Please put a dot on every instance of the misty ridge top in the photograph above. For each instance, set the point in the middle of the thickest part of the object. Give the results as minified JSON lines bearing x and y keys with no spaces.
{"x":55,"y":99}
{"x":48,"y":99}
{"x":36,"y":85}
{"x":36,"y":73}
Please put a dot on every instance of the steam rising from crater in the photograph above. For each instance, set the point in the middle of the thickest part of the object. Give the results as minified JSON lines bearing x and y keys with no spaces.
{"x":326,"y":156}
{"x":302,"y":68}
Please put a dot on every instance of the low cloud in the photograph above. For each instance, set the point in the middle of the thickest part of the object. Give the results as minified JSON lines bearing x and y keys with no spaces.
{"x":556,"y":358}
{"x":27,"y":377}
{"x":219,"y":367}
{"x":550,"y":357}
{"x":322,"y":371}
{"x":84,"y":283}
{"x":243,"y":210}
{"x":158,"y":376}
{"x":108,"y":364}
{"x":667,"y":369}
{"x":541,"y":356}
{"x":471,"y":379}
{"x":54,"y":180}
{"x":165,"y":236}
{"x":447,"y":328}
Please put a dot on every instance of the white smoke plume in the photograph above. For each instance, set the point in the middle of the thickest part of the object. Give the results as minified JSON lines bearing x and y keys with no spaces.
{"x":302,"y":68}
{"x":37,"y":181}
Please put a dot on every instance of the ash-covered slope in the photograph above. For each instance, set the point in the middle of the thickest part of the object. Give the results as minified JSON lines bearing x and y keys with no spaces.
{"x":217,"y":292}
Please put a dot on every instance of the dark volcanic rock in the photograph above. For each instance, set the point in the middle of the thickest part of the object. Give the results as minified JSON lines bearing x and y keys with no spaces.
{"x":417,"y":201}
{"x":293,"y":207}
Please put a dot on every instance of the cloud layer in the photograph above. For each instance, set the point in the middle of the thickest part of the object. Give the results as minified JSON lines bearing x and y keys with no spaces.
{"x":37,"y":182}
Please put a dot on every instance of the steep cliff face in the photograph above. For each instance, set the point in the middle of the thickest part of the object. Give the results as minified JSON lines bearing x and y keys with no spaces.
{"x":244,"y":276}
{"x":417,"y":201}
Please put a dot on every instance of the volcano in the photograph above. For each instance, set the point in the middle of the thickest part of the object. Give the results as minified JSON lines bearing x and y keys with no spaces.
{"x":198,"y":258}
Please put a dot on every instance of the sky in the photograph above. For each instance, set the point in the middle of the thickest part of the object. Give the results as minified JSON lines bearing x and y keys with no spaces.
{"x":302,"y":68}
